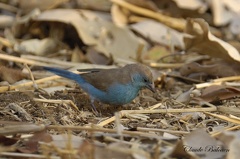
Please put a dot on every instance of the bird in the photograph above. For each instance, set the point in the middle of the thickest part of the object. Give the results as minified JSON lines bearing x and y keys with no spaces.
{"x":116,"y":86}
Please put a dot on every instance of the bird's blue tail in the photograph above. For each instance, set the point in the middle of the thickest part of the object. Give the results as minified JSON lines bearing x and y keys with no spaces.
{"x":66,"y":74}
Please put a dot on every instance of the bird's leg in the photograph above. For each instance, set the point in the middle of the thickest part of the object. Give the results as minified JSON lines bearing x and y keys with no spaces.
{"x":93,"y":106}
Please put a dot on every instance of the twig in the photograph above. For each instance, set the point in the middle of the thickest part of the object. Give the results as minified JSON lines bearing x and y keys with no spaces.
{"x":184,"y":78}
{"x":175,"y":23}
{"x":60,"y":63}
{"x":224,"y":79}
{"x":218,"y":81}
{"x":32,"y":77}
{"x":166,"y":65}
{"x":229,"y":110}
{"x":29,"y":84}
{"x":97,"y":129}
{"x":50,"y":60}
{"x":22,"y":128}
{"x":8,"y":7}
{"x":124,"y":112}
{"x":25,"y":155}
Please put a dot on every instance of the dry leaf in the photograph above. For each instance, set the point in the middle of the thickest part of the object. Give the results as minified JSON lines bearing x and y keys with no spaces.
{"x":6,"y":21}
{"x":32,"y":144}
{"x":219,"y":92}
{"x":219,"y":69}
{"x":156,"y":53}
{"x":221,"y":15}
{"x":148,"y":4}
{"x":191,"y":5}
{"x":224,"y":11}
{"x":36,"y":46}
{"x":63,"y":139}
{"x":77,"y":55}
{"x":235,"y":44}
{"x":206,"y":43}
{"x":119,"y":15}
{"x":86,"y":150}
{"x":13,"y":127}
{"x":169,"y":136}
{"x":206,"y":145}
{"x":235,"y":24}
{"x":179,"y":151}
{"x":199,"y":144}
{"x":7,"y":141}
{"x":159,"y":33}
{"x":232,"y":5}
{"x":94,"y":30}
{"x":27,"y":5}
{"x":232,"y":142}
{"x":18,"y":111}
{"x":97,"y":58}
{"x":72,"y":17}
{"x":185,"y":97}
{"x":193,"y":115}
{"x":102,"y":5}
{"x":11,"y":75}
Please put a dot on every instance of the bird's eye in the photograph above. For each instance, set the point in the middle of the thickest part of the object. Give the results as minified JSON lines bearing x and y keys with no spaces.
{"x":145,"y":80}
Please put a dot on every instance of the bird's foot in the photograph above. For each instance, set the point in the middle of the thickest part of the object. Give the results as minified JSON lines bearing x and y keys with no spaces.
{"x":94,"y":110}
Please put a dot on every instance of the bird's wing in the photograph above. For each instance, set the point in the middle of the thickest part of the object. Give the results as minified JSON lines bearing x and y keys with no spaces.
{"x":90,"y":70}
{"x":103,"y":79}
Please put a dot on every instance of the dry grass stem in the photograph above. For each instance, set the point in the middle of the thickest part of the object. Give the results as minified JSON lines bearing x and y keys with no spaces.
{"x":21,"y":60}
{"x":57,"y":102}
{"x":229,"y":110}
{"x":166,"y":65}
{"x":162,"y":130}
{"x":236,"y":121}
{"x":5,"y":42}
{"x":236,"y":127}
{"x":8,"y":7}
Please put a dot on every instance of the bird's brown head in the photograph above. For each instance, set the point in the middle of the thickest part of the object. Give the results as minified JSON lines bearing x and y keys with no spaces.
{"x":141,"y":76}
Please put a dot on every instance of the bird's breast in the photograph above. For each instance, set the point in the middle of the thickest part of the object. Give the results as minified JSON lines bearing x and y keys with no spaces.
{"x":119,"y":94}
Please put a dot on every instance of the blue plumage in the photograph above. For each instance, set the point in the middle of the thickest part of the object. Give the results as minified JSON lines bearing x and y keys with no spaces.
{"x":111,"y":86}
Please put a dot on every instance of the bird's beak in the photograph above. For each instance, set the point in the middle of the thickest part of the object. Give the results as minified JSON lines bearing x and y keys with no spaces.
{"x":151,"y":87}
